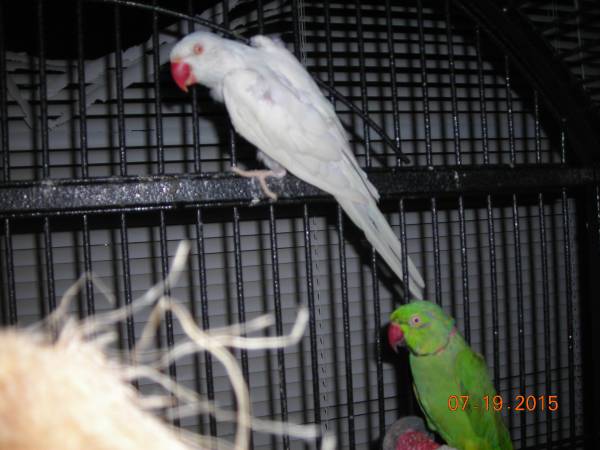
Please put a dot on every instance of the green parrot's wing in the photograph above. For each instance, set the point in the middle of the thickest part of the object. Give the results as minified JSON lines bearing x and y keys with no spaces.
{"x":430,"y":422}
{"x":475,"y":382}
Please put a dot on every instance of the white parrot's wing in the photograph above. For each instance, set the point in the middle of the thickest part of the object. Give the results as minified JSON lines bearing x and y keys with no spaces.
{"x":282,"y":61}
{"x":294,"y":76}
{"x":292,"y":132}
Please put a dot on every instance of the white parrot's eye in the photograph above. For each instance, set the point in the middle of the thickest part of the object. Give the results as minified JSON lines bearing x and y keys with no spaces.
{"x":198,"y":49}
{"x":415,"y":321}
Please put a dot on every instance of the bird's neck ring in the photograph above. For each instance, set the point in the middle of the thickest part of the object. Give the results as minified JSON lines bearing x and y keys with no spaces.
{"x":443,"y":347}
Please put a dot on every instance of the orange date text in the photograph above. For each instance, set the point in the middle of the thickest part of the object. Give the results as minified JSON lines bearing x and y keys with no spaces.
{"x":497,"y":403}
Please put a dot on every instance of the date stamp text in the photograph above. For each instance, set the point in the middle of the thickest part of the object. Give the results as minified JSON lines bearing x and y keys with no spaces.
{"x":529,"y":403}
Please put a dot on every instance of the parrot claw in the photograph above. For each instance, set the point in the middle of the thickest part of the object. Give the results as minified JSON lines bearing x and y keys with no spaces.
{"x":261,"y":176}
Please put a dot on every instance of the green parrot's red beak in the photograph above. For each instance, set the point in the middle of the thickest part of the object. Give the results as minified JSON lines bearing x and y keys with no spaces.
{"x":395,"y":336}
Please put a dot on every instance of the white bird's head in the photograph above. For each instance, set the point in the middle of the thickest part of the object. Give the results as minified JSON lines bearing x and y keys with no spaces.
{"x":204,"y":58}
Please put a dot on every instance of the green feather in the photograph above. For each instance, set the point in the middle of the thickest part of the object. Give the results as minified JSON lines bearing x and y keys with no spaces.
{"x":443,"y":365}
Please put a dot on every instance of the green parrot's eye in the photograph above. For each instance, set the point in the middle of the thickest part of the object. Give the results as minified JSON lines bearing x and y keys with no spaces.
{"x":415,"y":321}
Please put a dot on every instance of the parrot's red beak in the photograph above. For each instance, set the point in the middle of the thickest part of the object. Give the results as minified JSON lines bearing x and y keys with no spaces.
{"x":395,"y":336}
{"x":182,"y":74}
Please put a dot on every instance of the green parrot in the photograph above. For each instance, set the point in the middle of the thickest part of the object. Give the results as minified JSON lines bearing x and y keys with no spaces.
{"x":443,"y":366}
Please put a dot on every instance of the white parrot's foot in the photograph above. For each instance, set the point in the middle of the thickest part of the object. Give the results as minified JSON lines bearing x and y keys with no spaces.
{"x":261,"y":176}
{"x":278,"y":172}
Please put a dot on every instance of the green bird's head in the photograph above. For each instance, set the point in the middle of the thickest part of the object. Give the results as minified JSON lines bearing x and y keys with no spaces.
{"x":422,"y":325}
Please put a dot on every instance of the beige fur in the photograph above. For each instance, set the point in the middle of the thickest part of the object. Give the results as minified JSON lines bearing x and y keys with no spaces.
{"x":69,"y":396}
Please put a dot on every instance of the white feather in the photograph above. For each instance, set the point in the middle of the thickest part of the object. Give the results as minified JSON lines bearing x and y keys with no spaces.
{"x":276,"y":105}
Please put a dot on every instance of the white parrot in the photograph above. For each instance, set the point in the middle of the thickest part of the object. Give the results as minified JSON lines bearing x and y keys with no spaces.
{"x":275,"y":104}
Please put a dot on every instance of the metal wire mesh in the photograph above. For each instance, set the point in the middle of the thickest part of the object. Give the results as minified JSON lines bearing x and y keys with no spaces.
{"x":105,"y":167}
{"x":572,"y":30}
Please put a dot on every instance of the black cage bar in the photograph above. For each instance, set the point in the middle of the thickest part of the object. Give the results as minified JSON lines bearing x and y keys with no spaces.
{"x":476,"y":120}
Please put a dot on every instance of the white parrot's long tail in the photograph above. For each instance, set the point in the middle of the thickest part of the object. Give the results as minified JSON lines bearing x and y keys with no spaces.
{"x":379,"y":233}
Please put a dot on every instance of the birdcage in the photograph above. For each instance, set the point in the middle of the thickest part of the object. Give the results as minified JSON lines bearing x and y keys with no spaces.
{"x":477,"y":121}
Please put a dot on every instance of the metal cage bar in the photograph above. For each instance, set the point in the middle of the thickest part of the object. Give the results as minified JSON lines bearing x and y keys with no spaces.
{"x":4,"y":142}
{"x":312,"y":324}
{"x":43,"y":96}
{"x":11,"y":310}
{"x":129,"y":322}
{"x":545,"y":278}
{"x":160,"y":149}
{"x":87,"y":265}
{"x":278,"y":320}
{"x":458,"y":158}
{"x":81,"y":91}
{"x":346,"y":328}
{"x":210,"y":389}
{"x":120,"y":92}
